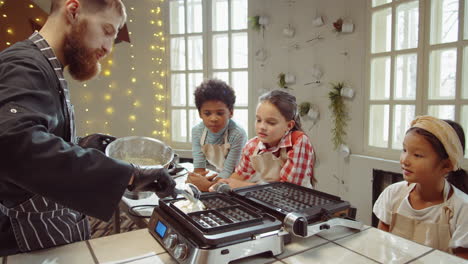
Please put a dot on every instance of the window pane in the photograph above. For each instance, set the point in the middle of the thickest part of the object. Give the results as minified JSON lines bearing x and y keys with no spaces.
{"x":238,"y":14}
{"x":240,"y":84}
{"x":380,"y":2}
{"x":179,"y":129}
{"x":442,"y":74}
{"x":378,"y":125}
{"x":220,"y":51}
{"x":220,"y":15}
{"x":241,"y":117}
{"x":381,"y":30}
{"x":442,"y":111}
{"x":407,"y":16}
{"x":444,"y":21}
{"x":464,"y":122}
{"x":194,"y":80}
{"x":405,"y":77}
{"x":194,"y":16}
{"x":178,"y":53}
{"x":177,"y":17}
{"x":402,"y":117}
{"x":239,"y":50}
{"x":222,"y":76}
{"x":178,"y":90}
{"x":195,"y":53}
{"x":194,"y":118}
{"x":380,"y":78}
{"x":465,"y":73}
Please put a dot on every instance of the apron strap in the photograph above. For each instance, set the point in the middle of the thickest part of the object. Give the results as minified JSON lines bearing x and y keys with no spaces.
{"x":203,"y":137}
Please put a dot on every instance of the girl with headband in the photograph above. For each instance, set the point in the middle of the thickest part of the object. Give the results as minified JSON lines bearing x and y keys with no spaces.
{"x":431,"y":205}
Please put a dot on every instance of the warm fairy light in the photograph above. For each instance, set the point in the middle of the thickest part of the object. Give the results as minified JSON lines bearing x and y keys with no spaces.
{"x":107,"y":73}
{"x":8,"y":43}
{"x":9,"y":31}
{"x":85,"y":85}
{"x":110,"y":110}
{"x":152,"y":47}
{"x":86,"y":110}
{"x":159,"y":22}
{"x":131,"y":20}
{"x":87,"y":122}
{"x":110,"y":62}
{"x":136,"y":103}
{"x":31,"y":6}
{"x":155,"y":132}
{"x":106,"y":123}
{"x":132,"y":8}
{"x":133,"y":129}
{"x":129,"y":92}
{"x":38,"y":20}
{"x":152,"y":22}
{"x":4,"y":15}
{"x":132,"y":117}
{"x":107,"y":97}
{"x":133,"y":80}
{"x":110,"y":85}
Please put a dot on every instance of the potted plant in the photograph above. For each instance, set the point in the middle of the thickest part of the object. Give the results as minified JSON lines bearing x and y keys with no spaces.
{"x":304,"y":108}
{"x":254,"y":22}
{"x":340,"y":114}
{"x":282,"y":80}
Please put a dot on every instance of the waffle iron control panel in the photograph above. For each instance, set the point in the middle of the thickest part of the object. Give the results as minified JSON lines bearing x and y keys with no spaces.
{"x":175,"y":242}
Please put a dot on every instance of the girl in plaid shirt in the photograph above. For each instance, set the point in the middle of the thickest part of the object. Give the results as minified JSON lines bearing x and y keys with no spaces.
{"x":281,"y":151}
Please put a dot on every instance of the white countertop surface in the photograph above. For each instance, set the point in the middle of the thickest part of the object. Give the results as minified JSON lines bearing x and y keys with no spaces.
{"x":337,"y":245}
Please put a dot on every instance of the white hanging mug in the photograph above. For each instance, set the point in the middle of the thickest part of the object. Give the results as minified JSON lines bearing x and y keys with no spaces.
{"x":289,"y":78}
{"x":289,"y":32}
{"x":313,"y":114}
{"x":263,"y":20}
{"x":318,"y":21}
{"x":344,"y":151}
{"x":347,"y":92}
{"x":347,"y":27}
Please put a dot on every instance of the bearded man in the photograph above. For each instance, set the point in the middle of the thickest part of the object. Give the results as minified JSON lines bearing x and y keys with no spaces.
{"x":48,"y":181}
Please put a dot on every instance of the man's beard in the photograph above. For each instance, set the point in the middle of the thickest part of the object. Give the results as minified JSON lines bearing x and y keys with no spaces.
{"x":81,"y":60}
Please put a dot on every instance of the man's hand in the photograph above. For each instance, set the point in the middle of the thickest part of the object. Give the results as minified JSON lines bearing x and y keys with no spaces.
{"x":96,"y":141}
{"x":154,"y":180}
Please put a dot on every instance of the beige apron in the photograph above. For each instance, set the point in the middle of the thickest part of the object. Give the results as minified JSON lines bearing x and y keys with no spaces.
{"x":268,"y":167}
{"x":215,"y":153}
{"x":435,"y":235}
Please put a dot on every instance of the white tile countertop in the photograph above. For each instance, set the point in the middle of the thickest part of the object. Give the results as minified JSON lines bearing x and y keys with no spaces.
{"x":337,"y":245}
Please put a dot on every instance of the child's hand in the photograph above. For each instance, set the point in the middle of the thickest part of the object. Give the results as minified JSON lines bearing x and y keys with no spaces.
{"x":202,"y":182}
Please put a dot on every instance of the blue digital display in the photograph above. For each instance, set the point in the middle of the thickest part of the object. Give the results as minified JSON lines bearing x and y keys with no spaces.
{"x":160,"y":229}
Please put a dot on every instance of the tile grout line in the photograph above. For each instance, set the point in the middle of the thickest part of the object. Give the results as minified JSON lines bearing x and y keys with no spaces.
{"x":92,"y":252}
{"x":422,"y":255}
{"x":345,"y":235}
{"x":356,"y":252}
{"x":302,"y":251}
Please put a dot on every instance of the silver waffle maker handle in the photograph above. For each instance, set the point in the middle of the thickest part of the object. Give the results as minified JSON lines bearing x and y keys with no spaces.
{"x":296,"y":224}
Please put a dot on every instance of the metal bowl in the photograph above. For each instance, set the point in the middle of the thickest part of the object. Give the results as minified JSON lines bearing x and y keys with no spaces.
{"x":142,"y":151}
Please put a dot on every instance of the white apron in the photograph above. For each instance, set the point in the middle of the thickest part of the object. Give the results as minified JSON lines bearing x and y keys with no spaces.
{"x":435,"y":235}
{"x":215,"y":153}
{"x":268,"y":167}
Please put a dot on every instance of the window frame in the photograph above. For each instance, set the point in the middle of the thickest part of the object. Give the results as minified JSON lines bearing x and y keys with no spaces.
{"x":207,"y":69}
{"x":423,"y":51}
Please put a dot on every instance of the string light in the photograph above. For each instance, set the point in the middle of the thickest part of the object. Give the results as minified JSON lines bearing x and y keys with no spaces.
{"x":138,"y":81}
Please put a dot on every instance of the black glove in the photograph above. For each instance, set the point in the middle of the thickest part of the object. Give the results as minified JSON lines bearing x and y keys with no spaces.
{"x":96,"y":141}
{"x":154,"y":180}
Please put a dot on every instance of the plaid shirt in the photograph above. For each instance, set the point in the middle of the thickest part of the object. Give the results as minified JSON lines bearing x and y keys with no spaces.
{"x":299,"y":165}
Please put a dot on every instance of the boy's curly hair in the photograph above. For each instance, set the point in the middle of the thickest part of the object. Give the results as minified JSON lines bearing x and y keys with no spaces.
{"x":214,"y":90}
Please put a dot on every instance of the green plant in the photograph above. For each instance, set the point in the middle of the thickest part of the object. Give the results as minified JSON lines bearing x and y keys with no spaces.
{"x":254,"y":22}
{"x":282,"y":80}
{"x":340,"y":115}
{"x":304,"y":108}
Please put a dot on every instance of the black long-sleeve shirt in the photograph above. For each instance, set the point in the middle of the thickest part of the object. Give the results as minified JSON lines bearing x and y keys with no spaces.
{"x":36,"y":156}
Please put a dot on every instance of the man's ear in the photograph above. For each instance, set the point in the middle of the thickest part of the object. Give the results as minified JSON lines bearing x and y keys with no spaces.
{"x":72,"y":9}
{"x":232,"y":113}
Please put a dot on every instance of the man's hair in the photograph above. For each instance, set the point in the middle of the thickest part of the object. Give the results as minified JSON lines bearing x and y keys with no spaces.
{"x":214,"y":90}
{"x":94,"y":6}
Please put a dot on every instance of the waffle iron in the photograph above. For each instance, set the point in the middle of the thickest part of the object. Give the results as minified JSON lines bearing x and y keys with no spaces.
{"x":246,"y":221}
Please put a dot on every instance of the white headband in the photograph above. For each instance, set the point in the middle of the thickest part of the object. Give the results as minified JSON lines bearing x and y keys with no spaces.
{"x":445,"y":134}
